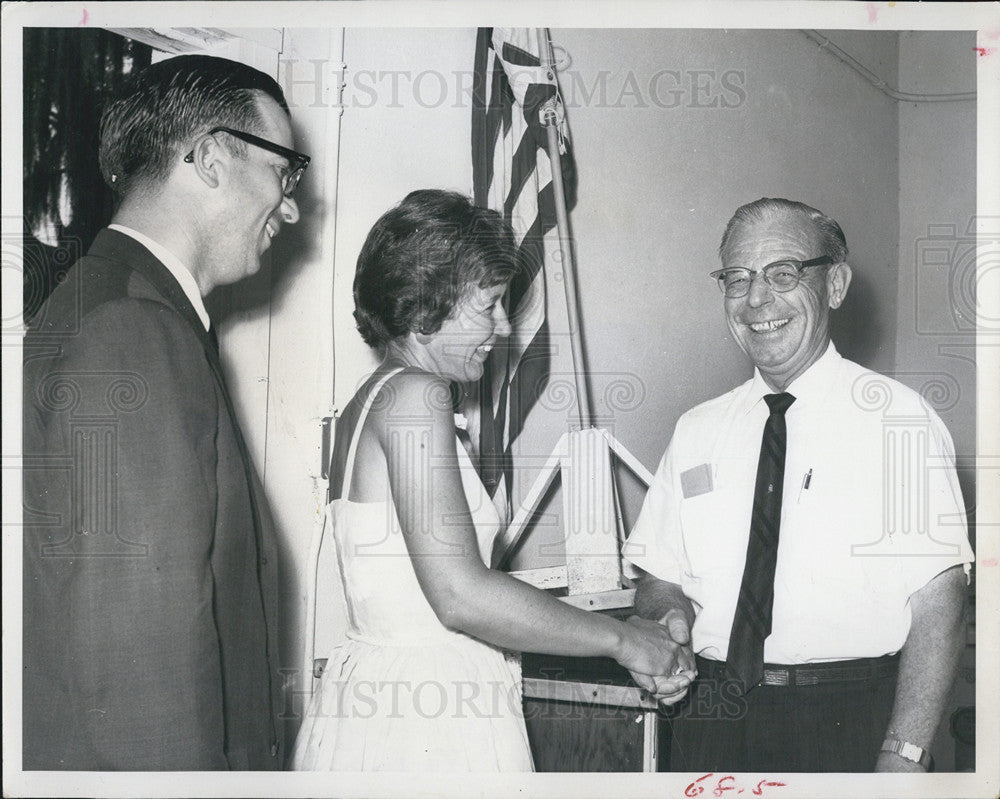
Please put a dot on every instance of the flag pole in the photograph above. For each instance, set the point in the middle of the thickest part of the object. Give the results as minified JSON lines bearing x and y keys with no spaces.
{"x":565,"y":253}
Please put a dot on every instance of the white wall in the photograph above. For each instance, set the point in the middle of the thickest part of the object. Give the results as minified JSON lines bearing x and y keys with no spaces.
{"x":935,"y":337}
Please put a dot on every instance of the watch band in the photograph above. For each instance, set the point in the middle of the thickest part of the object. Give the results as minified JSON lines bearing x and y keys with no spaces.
{"x":911,"y":752}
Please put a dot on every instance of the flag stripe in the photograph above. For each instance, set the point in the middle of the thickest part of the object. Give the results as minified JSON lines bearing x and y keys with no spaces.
{"x":513,"y":54}
{"x":520,"y":173}
{"x":486,"y":116}
{"x":530,"y":257}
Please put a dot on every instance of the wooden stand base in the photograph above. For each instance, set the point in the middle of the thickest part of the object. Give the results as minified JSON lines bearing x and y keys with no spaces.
{"x":586,"y":714}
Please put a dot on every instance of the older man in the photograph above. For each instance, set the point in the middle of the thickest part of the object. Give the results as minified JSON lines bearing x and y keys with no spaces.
{"x":805,"y":533}
{"x":149,"y":568}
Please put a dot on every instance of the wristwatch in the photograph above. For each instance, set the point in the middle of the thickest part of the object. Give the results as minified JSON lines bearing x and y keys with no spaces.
{"x":909,"y":751}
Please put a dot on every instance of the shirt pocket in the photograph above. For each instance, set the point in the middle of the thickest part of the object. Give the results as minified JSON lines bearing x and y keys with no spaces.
{"x":715,"y":528}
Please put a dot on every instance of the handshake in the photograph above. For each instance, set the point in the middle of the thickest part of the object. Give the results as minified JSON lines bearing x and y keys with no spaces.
{"x":661,"y":660}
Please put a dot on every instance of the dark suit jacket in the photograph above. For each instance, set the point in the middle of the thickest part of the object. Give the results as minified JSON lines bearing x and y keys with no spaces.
{"x":149,"y":564}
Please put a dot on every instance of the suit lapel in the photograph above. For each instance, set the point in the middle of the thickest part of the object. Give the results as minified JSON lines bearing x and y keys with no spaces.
{"x":116,"y":246}
{"x":119,"y":247}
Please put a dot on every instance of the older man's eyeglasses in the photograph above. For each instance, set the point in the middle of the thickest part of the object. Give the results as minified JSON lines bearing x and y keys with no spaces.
{"x":297,"y":162}
{"x":781,"y":276}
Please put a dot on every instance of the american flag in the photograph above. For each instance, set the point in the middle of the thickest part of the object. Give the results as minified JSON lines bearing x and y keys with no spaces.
{"x":512,"y":173}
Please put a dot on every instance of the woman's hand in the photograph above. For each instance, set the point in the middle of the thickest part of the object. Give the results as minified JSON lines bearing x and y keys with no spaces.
{"x":659,"y":656}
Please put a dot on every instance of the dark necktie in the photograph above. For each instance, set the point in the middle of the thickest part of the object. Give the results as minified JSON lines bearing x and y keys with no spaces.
{"x":752,"y":622}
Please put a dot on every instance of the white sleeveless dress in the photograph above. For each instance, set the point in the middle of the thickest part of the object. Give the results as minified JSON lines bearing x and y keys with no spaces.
{"x":402,"y":692}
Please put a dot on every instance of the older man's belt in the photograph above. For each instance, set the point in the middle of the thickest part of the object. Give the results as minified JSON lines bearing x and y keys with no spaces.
{"x":837,"y":671}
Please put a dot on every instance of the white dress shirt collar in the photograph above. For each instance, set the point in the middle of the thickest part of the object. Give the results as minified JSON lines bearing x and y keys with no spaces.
{"x":174,"y":265}
{"x":813,"y":382}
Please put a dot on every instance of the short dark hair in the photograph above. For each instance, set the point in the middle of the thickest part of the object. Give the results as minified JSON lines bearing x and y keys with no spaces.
{"x":766,"y":209}
{"x":422,"y":257}
{"x":162,"y":108}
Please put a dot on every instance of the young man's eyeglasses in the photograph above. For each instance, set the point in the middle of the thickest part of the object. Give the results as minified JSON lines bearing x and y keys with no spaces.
{"x":782,"y":275}
{"x":297,"y":162}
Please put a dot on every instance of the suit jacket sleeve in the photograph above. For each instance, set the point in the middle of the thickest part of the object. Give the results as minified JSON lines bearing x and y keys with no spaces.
{"x":136,"y":653}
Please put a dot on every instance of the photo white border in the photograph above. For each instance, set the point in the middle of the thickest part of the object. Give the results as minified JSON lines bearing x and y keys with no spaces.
{"x":749,"y":14}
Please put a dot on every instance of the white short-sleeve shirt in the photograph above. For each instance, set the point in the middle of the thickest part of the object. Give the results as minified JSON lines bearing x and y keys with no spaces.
{"x":871,"y":512}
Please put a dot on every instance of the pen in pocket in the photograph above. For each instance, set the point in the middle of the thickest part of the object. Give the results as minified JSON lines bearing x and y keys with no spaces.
{"x":806,"y":480}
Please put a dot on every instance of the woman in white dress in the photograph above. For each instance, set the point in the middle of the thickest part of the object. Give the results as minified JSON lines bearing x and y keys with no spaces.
{"x":420,"y":683}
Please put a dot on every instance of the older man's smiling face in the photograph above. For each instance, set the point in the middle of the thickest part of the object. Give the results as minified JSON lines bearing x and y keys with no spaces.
{"x":783,"y":333}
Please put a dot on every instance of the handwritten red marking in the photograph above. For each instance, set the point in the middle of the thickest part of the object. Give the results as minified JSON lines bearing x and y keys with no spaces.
{"x":725,"y":784}
{"x":694,"y":789}
{"x":872,"y":13}
{"x":985,"y":50}
{"x":84,"y":20}
{"x":989,"y":562}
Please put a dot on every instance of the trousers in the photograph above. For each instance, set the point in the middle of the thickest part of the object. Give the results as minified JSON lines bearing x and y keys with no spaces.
{"x":823,"y":727}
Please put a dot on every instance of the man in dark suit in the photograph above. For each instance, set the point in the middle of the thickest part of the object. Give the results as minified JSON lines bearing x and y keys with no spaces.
{"x":149,"y":567}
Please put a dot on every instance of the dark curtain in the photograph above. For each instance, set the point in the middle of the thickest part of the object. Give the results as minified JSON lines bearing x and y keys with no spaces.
{"x":68,"y":75}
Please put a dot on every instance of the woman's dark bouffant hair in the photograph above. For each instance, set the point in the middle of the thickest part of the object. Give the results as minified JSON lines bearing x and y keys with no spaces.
{"x":421,"y":258}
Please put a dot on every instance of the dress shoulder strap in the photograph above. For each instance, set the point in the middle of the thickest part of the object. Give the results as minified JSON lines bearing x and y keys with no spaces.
{"x":359,"y":426}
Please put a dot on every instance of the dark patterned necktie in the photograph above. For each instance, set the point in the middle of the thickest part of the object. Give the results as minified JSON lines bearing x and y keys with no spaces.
{"x":752,"y":622}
